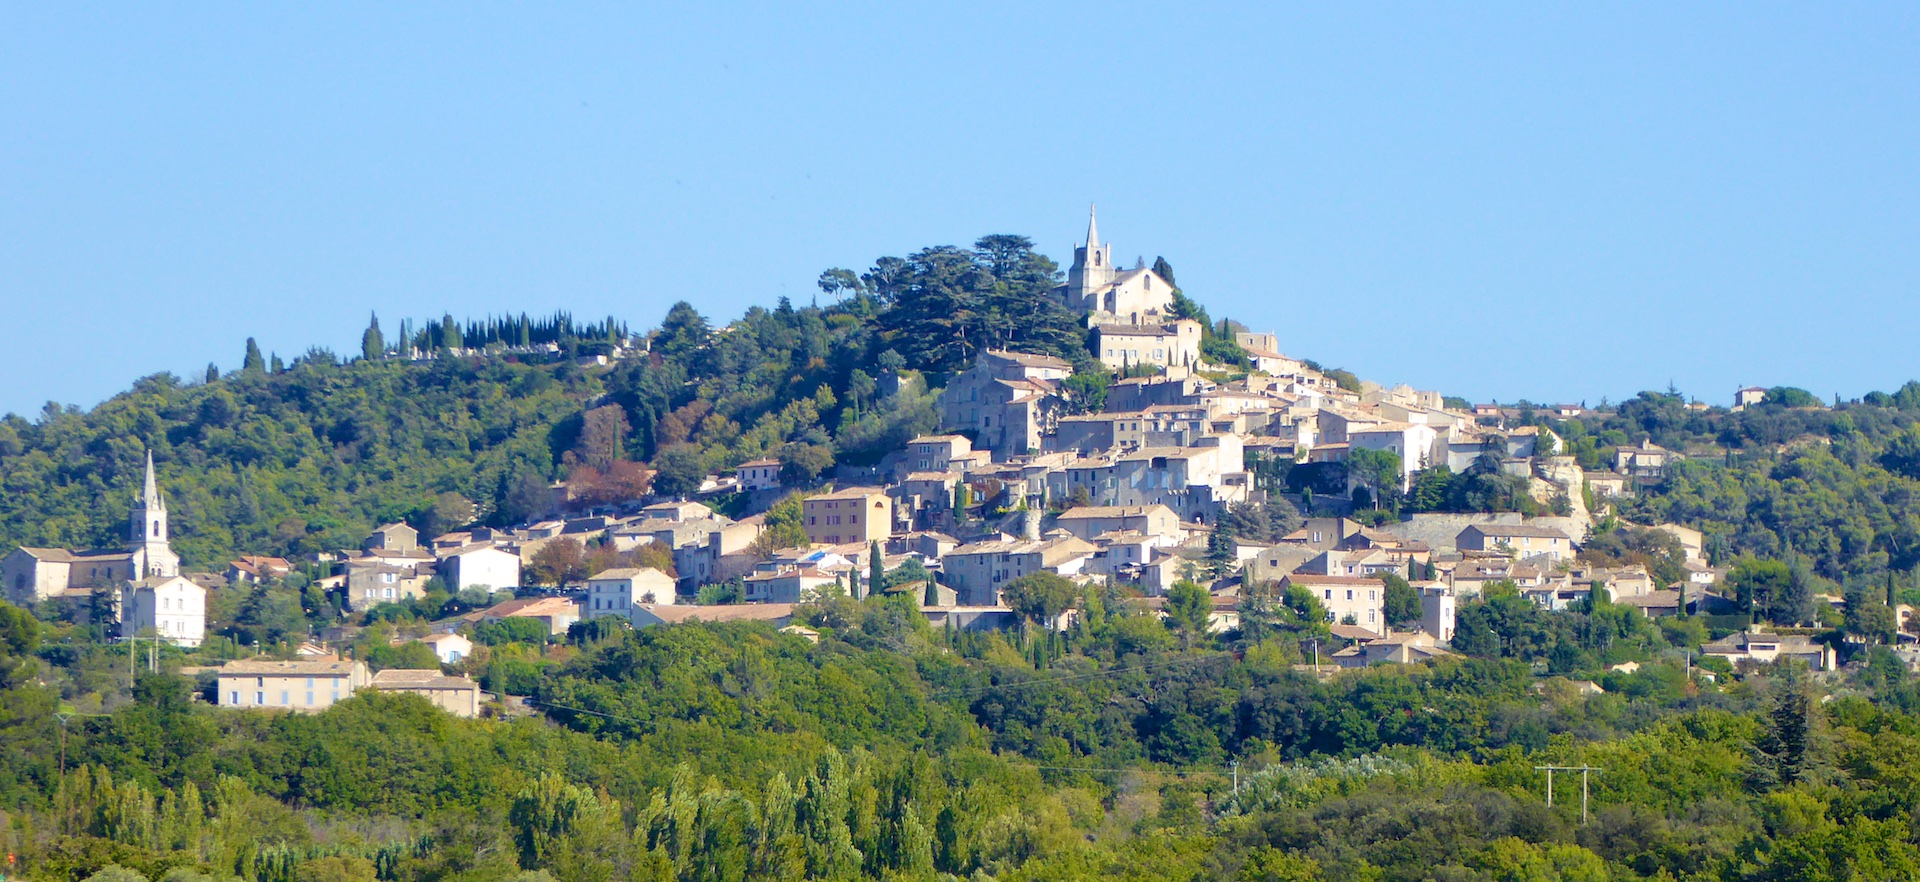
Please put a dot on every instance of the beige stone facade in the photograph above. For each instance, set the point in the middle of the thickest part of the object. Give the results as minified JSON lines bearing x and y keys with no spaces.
{"x":855,"y":514}
{"x":306,"y":686}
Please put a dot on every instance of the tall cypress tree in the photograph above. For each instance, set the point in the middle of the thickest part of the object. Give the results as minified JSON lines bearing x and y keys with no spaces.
{"x":253,"y":364}
{"x":373,"y":344}
{"x":877,"y":569}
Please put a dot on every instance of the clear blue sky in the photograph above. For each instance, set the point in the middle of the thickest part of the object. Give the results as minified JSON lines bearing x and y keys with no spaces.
{"x":1531,"y":200}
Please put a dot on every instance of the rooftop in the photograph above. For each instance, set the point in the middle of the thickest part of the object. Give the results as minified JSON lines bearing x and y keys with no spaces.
{"x":272,"y":668}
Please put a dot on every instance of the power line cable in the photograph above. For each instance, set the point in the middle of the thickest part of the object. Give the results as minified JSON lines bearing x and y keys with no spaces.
{"x":1092,"y":675}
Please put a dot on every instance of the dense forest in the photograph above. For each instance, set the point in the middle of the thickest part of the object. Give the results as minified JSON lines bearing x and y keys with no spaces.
{"x":306,"y":456}
{"x":1127,"y":748}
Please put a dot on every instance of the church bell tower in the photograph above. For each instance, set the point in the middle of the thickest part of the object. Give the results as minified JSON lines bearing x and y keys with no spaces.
{"x":151,"y":555}
{"x":1092,"y":268}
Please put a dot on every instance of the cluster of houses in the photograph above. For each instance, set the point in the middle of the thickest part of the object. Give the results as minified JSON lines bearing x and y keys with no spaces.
{"x":1014,"y":484}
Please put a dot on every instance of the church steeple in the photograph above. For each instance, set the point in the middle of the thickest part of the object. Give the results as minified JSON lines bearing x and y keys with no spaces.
{"x":151,"y":555}
{"x":1092,"y":269}
{"x":150,"y":499}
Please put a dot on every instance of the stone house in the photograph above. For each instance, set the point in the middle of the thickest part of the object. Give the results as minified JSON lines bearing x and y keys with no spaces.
{"x":309,"y":686}
{"x":854,"y":514}
{"x":1006,"y":402}
{"x":617,"y":591}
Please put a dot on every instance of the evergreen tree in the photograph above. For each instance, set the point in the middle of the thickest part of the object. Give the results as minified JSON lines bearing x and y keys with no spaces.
{"x":1164,"y":270}
{"x":372,"y":344}
{"x":213,"y":372}
{"x":1401,"y":603}
{"x":877,"y":567}
{"x":253,"y":364}
{"x":1791,"y":748}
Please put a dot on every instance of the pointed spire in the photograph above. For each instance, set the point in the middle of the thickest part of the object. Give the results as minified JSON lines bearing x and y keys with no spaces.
{"x":1093,"y":229}
{"x":151,"y":497}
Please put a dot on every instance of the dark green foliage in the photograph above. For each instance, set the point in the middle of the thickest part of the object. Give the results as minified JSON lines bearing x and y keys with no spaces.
{"x":1788,"y":396}
{"x":511,"y":630}
{"x":373,"y":344}
{"x":1263,"y":522}
{"x":1040,"y":597}
{"x":1482,"y":488}
{"x":291,"y":463}
{"x":412,"y":655}
{"x":252,"y":363}
{"x":1401,"y":601}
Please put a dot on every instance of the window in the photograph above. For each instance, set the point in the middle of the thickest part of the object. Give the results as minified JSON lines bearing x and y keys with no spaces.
{"x":1370,"y":595}
{"x":285,"y":697}
{"x":234,"y":698}
{"x":309,"y":698}
{"x":1349,"y":593}
{"x":259,"y":698}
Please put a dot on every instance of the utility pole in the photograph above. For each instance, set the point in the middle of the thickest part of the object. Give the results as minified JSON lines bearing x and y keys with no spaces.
{"x":62,"y":718}
{"x":1584,"y":771}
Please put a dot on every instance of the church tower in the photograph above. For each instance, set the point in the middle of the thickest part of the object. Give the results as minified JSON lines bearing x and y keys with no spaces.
{"x":151,"y":554}
{"x":1092,"y":268}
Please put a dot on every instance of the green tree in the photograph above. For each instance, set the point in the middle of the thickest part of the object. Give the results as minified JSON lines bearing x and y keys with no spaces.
{"x":1401,"y":602}
{"x":253,"y":363}
{"x":860,"y":386}
{"x":373,"y":344}
{"x":1792,"y":748}
{"x":1377,"y":470}
{"x":801,"y":464}
{"x":1040,"y":597}
{"x":678,"y":470}
{"x":1189,"y":610}
{"x":1164,"y":270}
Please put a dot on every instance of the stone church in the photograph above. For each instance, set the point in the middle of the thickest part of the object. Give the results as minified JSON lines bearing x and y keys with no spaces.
{"x":1107,"y":295}
{"x":151,"y":597}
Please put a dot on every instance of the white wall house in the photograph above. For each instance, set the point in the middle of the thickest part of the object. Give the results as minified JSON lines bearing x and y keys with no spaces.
{"x":616,"y":592}
{"x":449,"y":648}
{"x":480,"y":565}
{"x":171,"y":608}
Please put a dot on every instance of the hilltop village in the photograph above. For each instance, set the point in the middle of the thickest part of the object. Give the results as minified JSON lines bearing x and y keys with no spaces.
{"x":1223,"y":492}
